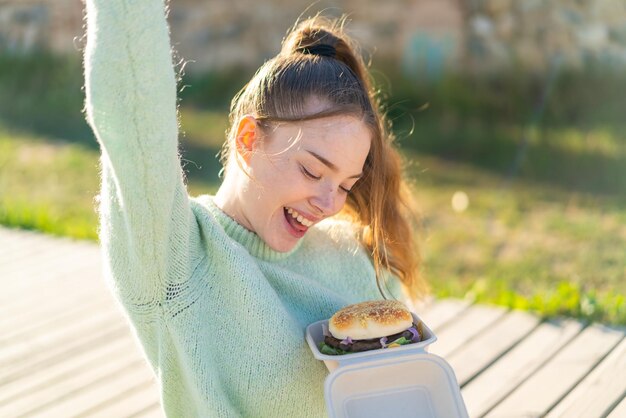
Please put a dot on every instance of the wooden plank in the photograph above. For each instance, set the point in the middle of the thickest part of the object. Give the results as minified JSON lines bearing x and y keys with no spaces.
{"x":45,"y":248}
{"x":17,"y":236}
{"x":54,"y":335}
{"x":27,"y":265}
{"x":463,"y":330}
{"x":16,"y":242}
{"x":132,"y":402}
{"x":441,"y":312}
{"x":491,"y":386}
{"x":23,"y":247}
{"x":603,"y":387}
{"x":43,"y":397}
{"x":538,"y":394}
{"x":620,"y":409}
{"x":467,"y":326}
{"x":479,"y":352}
{"x":13,"y":245}
{"x":29,"y":345}
{"x":54,"y":374}
{"x":53,"y":354}
{"x":26,"y":280}
{"x":50,"y":279}
{"x":41,"y":298}
{"x":102,"y":382}
{"x":37,"y":317}
{"x":154,"y":411}
{"x":53,"y":255}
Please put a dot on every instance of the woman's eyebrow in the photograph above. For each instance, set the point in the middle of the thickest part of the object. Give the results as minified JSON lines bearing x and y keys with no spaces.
{"x":330,"y":165}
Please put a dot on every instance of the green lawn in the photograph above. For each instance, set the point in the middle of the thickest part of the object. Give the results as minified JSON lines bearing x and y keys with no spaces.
{"x":527,"y":240}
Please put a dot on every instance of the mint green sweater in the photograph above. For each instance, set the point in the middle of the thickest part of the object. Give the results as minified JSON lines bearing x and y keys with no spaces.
{"x":221,"y":316}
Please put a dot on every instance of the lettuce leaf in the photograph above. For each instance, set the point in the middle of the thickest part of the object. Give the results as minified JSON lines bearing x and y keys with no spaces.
{"x":331,"y":351}
{"x":401,"y":341}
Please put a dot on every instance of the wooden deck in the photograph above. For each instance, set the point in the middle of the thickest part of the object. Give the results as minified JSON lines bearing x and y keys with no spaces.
{"x":66,"y":349}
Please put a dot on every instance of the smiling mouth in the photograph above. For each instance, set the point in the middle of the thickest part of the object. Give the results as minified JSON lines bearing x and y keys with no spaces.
{"x":296,"y":227}
{"x":293,"y":214}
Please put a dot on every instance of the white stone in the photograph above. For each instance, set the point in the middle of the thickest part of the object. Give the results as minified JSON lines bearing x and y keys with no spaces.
{"x":482,"y":25}
{"x":593,"y":36}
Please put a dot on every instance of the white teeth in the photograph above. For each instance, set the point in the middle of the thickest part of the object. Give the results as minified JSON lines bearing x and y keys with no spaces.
{"x":294,"y":214}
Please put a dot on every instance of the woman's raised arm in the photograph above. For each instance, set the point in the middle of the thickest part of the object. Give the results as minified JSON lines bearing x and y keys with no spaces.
{"x":146,"y":226}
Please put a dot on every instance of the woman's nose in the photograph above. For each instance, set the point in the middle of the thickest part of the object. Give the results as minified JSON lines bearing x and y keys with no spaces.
{"x":328,"y":201}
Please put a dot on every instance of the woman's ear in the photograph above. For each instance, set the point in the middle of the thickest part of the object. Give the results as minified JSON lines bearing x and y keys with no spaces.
{"x":246,"y":140}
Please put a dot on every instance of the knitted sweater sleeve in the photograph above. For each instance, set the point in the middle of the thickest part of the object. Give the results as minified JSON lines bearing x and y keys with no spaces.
{"x":146,"y":225}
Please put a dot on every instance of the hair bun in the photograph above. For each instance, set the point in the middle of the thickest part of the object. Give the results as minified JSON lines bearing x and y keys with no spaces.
{"x":326,"y":37}
{"x":323,"y":50}
{"x":315,"y":36}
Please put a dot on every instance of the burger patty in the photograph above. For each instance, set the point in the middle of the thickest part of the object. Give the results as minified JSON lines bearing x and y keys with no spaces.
{"x":369,"y":344}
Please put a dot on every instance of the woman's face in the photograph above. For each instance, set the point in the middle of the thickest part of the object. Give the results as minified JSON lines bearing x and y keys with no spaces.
{"x":300,"y":174}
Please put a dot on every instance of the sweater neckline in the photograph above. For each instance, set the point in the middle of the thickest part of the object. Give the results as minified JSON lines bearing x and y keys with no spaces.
{"x":248,"y":239}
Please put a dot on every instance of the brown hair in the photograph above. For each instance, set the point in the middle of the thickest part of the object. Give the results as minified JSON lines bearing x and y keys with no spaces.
{"x":378,"y":204}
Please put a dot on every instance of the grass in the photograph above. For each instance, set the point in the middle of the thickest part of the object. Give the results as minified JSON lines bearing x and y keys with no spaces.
{"x":520,"y":243}
{"x":47,"y":186}
{"x":42,"y":93}
{"x":51,"y":185}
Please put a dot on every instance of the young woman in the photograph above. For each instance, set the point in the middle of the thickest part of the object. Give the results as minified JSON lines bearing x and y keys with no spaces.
{"x":219,"y":289}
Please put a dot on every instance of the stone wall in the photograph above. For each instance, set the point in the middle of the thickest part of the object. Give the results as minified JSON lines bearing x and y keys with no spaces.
{"x":220,"y":34}
{"x":538,"y":34}
{"x":27,"y":25}
{"x":424,"y":37}
{"x":223,"y":33}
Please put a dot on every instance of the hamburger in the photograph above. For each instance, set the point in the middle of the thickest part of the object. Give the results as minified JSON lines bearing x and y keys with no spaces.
{"x":369,"y":326}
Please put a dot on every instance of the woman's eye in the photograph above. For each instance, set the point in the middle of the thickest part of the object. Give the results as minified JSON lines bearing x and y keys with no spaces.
{"x":308,"y":174}
{"x":312,"y":176}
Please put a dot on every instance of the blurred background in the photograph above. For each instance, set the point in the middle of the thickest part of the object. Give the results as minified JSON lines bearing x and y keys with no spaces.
{"x":511,"y":116}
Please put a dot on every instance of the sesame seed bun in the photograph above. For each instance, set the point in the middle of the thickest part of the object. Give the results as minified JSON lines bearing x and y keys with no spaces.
{"x":372,"y":319}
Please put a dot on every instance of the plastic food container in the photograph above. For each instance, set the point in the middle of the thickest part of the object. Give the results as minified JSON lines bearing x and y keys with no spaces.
{"x":403,"y":381}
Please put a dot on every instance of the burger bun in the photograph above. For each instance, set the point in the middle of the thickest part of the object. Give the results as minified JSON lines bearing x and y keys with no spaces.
{"x":372,"y":319}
